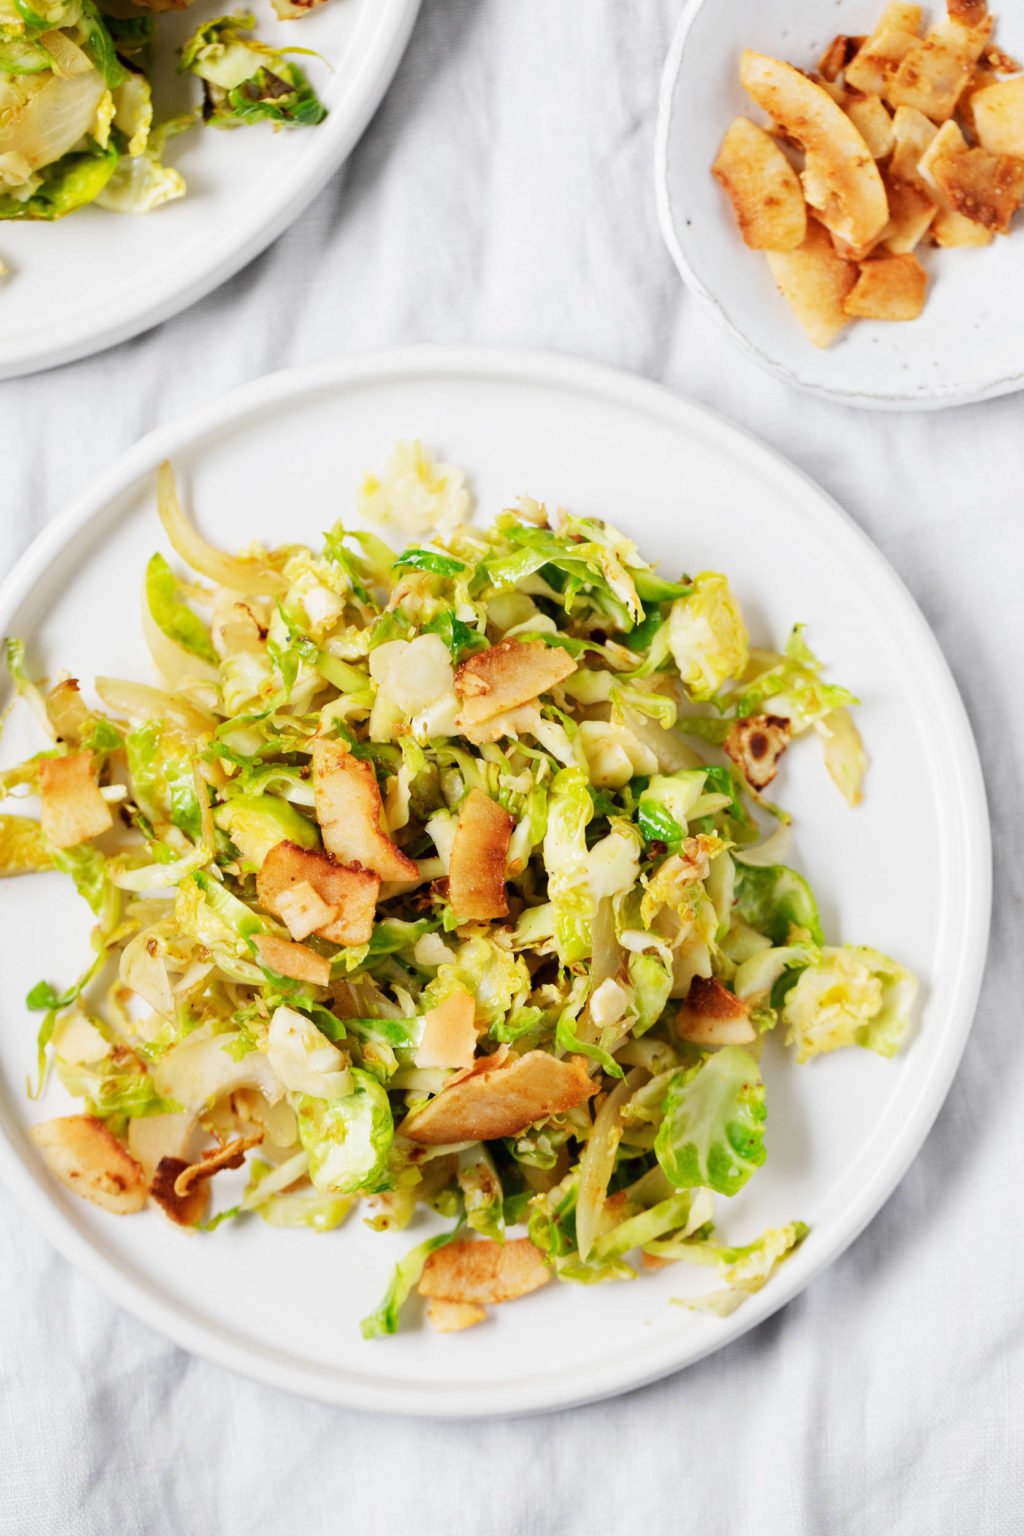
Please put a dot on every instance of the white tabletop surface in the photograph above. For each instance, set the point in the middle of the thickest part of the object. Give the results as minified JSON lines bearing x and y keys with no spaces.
{"x":504,"y":195}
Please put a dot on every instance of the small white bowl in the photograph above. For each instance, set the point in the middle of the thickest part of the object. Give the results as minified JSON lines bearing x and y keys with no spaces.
{"x":968,"y":344}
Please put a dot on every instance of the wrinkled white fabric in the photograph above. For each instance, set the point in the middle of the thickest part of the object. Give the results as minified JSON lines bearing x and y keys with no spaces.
{"x":504,"y":194}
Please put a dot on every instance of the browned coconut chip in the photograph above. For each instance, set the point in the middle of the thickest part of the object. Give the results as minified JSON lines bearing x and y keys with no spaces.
{"x":449,"y":1033}
{"x":712,"y":1015}
{"x":502,"y":1101}
{"x":85,"y":1155}
{"x":302,"y":910}
{"x":476,"y":875}
{"x":756,"y":744}
{"x":184,"y":1210}
{"x":295,"y":960}
{"x":508,"y":674}
{"x":72,"y":810}
{"x":480,"y":1272}
{"x":349,"y":892}
{"x":981,"y":186}
{"x":349,"y":810}
{"x":453,"y":1316}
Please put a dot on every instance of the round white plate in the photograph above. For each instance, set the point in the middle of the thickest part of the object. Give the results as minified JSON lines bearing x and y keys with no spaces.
{"x":96,"y":278}
{"x":908,"y":872}
{"x":965,"y":346}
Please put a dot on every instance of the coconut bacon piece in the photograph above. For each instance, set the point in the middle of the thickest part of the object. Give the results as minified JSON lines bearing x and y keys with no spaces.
{"x":841,"y":180}
{"x":449,"y":1033}
{"x":508,"y":674}
{"x":712,"y":1015}
{"x":72,"y":810}
{"x":483,"y":1273}
{"x":476,"y":875}
{"x":87,"y":1157}
{"x":349,"y":892}
{"x":763,"y":188}
{"x":295,"y":960}
{"x":453,"y":1316}
{"x":349,"y":810}
{"x":501,"y":1100}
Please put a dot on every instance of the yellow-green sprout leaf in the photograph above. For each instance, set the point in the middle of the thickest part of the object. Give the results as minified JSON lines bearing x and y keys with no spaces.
{"x":707,"y":636}
{"x":745,"y":1269}
{"x":23,"y":848}
{"x":570,"y":808}
{"x":348,"y":1139}
{"x":852,"y":996}
{"x":172,"y":615}
{"x":712,"y":1133}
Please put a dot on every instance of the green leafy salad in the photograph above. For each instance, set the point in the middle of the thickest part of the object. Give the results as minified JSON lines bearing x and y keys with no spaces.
{"x":442,"y":879}
{"x":76,"y":102}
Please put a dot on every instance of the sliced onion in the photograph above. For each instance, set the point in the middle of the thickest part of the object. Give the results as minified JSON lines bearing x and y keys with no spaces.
{"x":68,"y":58}
{"x":141,"y":702}
{"x":53,"y":119}
{"x":598,"y":1160}
{"x":228,"y":571}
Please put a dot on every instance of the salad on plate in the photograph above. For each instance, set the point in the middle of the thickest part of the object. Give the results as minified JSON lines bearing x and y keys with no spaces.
{"x":439,"y":883}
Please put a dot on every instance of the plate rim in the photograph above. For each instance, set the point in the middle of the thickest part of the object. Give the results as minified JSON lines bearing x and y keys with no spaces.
{"x":374,"y":73}
{"x":934,"y":400}
{"x":461,"y":1400}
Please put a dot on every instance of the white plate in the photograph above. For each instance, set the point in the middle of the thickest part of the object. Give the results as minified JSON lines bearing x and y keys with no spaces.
{"x":966,"y":345}
{"x":908,"y":872}
{"x":96,"y":278}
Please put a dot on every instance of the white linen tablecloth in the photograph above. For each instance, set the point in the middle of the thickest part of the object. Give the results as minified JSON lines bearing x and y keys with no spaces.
{"x":503,"y":194}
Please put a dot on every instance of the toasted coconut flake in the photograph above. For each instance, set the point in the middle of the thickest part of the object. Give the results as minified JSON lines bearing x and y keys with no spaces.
{"x":998,"y":112}
{"x":912,"y":134}
{"x":969,"y":13}
{"x":841,"y":180}
{"x":889,"y":288}
{"x":184,"y":1210}
{"x":453,"y":1316}
{"x":872,"y":121}
{"x":72,"y":810}
{"x":756,"y":745}
{"x":712,"y":1015}
{"x":911,"y":215}
{"x":502,"y":1101}
{"x":303,"y":910}
{"x":295,"y":960}
{"x":952,"y":231}
{"x":934,"y":73}
{"x":449,"y":1033}
{"x":981,"y":186}
{"x":350,"y":812}
{"x":476,"y":875}
{"x":348,"y":891}
{"x":879,"y":57}
{"x":231,"y":1155}
{"x":763,"y":188}
{"x":87,"y":1157}
{"x":483,"y":1273}
{"x":838,"y":54}
{"x":814,"y":281}
{"x":508,"y":674}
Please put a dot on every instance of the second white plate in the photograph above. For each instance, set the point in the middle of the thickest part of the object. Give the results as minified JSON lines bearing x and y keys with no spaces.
{"x":96,"y":278}
{"x":907,"y":872}
{"x":967,"y":344}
